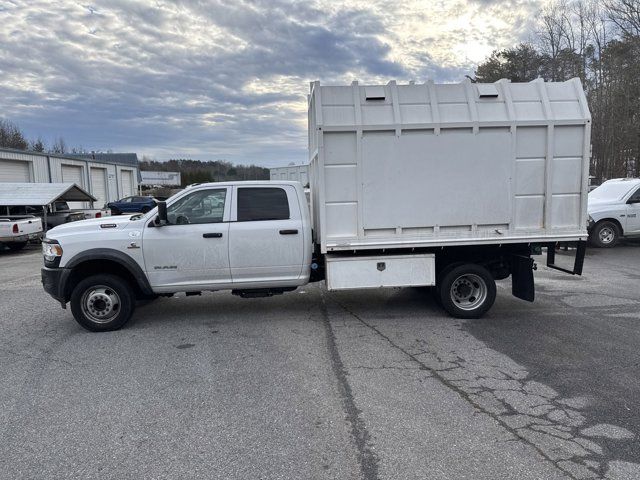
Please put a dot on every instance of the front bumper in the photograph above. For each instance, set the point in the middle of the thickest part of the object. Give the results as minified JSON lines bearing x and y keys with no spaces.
{"x":54,"y":281}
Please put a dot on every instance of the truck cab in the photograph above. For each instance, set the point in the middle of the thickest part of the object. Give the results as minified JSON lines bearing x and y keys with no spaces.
{"x":250,"y":237}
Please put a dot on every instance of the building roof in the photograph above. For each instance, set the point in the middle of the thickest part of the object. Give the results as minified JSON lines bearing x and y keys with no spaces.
{"x":119,"y":158}
{"x":128,"y":159}
{"x":14,"y":194}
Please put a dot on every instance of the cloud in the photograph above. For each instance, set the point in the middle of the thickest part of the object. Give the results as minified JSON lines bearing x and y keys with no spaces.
{"x":220,"y":79}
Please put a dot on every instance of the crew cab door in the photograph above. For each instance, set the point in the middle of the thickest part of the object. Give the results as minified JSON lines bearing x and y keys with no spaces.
{"x":266,"y":237}
{"x":633,"y":213}
{"x":193,"y":249}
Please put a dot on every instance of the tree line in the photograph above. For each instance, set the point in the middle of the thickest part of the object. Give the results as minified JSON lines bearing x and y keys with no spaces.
{"x":192,"y":171}
{"x":198,"y":171}
{"x":11,"y":136}
{"x":599,"y":42}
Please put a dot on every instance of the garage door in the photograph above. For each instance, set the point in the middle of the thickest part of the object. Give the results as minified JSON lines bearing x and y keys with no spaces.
{"x":127,"y":183}
{"x":72,"y":174}
{"x":14,"y":171}
{"x":99,"y":186}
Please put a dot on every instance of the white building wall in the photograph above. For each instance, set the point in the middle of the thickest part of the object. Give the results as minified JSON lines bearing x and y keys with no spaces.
{"x":48,"y":169}
{"x":134,"y":177}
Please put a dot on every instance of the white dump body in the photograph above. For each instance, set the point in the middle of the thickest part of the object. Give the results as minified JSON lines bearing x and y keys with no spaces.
{"x":296,"y":173}
{"x":458,"y":164}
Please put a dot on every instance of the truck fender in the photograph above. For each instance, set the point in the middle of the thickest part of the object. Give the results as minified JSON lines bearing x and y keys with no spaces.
{"x":109,"y":255}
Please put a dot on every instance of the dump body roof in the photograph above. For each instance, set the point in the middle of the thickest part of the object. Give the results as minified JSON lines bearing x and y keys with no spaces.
{"x":463,"y":104}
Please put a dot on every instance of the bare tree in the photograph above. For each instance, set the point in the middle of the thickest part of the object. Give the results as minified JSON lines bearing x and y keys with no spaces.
{"x":37,"y":145}
{"x":59,"y":146}
{"x":553,"y":34}
{"x":11,"y":136}
{"x":625,"y":14}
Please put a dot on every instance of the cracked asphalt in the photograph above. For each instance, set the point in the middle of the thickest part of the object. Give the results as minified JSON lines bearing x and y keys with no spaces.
{"x":312,"y":384}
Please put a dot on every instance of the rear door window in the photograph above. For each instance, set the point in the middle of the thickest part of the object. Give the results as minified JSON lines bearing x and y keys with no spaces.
{"x":259,"y":204}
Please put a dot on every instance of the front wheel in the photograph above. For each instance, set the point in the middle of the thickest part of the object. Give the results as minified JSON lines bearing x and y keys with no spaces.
{"x":102,"y":303}
{"x":605,"y":234}
{"x":467,"y":291}
{"x":115,"y":211}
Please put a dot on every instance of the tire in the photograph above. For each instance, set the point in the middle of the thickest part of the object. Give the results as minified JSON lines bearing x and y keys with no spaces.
{"x":102,"y":303}
{"x":605,"y":234}
{"x":15,"y":246}
{"x":115,"y":211}
{"x":467,"y":291}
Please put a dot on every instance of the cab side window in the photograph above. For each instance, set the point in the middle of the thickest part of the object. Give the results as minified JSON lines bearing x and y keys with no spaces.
{"x":203,"y":206}
{"x":258,"y":204}
{"x":635,"y":198}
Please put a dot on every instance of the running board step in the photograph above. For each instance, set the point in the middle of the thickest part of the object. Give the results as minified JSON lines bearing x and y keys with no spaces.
{"x":261,"y":292}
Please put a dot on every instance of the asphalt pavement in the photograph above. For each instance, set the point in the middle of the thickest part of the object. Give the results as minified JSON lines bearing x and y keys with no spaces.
{"x":371,"y":384}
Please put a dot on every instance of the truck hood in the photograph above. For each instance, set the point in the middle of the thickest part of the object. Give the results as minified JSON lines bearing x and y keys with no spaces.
{"x":93,"y":224}
{"x":595,"y":206}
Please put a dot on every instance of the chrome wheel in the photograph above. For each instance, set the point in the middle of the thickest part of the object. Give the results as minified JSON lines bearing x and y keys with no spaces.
{"x":606,"y":235}
{"x":100,"y":304}
{"x":468,"y":291}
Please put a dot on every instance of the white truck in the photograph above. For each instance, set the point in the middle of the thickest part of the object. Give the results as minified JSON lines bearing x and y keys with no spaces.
{"x":16,"y":232}
{"x":614,"y":211}
{"x":448,"y":186}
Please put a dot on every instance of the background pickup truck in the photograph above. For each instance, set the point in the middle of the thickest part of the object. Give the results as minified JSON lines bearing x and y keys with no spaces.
{"x":15,"y":233}
{"x":614,"y":211}
{"x":58,"y":215}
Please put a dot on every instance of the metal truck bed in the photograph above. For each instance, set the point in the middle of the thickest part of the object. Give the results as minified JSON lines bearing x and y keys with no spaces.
{"x":459,"y":164}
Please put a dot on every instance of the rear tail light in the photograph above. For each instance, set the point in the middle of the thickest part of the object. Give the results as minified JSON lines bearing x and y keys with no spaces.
{"x":15,"y":228}
{"x":99,"y":215}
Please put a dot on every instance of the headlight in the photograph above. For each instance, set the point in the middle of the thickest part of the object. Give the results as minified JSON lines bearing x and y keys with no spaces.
{"x":51,"y":251}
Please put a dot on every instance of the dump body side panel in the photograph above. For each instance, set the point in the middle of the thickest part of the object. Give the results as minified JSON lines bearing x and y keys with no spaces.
{"x":423,"y":165}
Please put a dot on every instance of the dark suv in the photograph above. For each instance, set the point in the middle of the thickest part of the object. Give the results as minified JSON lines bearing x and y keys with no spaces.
{"x":132,"y":205}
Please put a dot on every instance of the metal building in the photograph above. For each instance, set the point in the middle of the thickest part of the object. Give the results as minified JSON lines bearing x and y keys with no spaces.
{"x":155,"y":178}
{"x":107,"y":176}
{"x":298,"y":173}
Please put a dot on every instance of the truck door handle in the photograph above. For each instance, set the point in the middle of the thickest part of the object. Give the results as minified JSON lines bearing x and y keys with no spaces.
{"x":212,"y":235}
{"x":289,"y":232}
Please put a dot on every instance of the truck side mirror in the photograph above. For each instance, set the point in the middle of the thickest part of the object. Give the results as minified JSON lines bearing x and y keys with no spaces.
{"x":161,"y":219}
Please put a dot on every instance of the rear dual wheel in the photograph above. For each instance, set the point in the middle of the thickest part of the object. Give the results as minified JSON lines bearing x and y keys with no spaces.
{"x":467,"y":290}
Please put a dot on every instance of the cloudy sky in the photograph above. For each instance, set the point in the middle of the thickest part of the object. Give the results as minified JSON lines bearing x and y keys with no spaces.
{"x":211,"y":79}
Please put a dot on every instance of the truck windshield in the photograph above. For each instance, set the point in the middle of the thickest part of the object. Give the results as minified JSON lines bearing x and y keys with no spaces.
{"x":611,"y":191}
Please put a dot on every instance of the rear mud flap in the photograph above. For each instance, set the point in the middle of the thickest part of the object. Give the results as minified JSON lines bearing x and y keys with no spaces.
{"x":522,"y":284}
